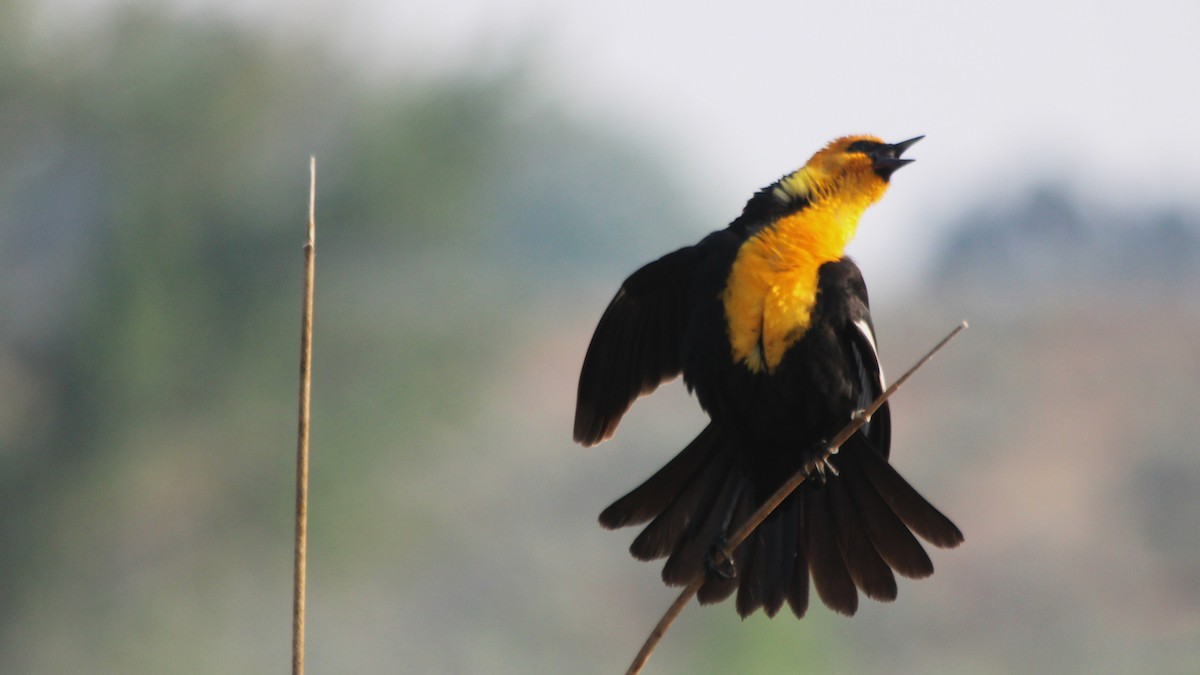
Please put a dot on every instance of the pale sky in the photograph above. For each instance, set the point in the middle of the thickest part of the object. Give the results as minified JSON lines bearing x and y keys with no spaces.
{"x":1102,"y":96}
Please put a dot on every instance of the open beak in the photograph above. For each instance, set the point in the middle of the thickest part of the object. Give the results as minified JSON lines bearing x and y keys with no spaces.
{"x":887,"y":158}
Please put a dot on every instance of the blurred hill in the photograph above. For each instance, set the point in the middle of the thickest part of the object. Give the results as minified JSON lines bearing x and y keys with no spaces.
{"x":1047,"y":239}
{"x":152,"y":200}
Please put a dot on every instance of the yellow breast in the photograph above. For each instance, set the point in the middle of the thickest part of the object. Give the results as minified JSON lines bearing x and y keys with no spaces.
{"x":772,"y":286}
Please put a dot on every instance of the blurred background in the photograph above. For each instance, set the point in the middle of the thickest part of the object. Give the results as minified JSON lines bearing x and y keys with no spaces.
{"x":488,"y":173}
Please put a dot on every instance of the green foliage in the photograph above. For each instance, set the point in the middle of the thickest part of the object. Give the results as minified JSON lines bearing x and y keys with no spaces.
{"x":152,"y":206}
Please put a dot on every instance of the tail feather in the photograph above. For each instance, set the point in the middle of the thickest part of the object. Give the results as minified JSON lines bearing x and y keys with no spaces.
{"x":797,"y":597}
{"x":768,"y":575}
{"x":891,"y":537}
{"x":829,"y":574}
{"x":662,"y":536}
{"x":781,"y":559}
{"x":717,"y":589}
{"x":917,"y":513}
{"x":754,"y":574}
{"x":654,"y":495}
{"x":710,"y":519}
{"x":868,"y":570}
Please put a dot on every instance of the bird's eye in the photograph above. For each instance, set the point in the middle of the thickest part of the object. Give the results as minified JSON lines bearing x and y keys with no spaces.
{"x":862,"y":146}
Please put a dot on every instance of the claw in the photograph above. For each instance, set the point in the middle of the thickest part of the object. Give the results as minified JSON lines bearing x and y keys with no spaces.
{"x":822,"y":464}
{"x":718,"y":563}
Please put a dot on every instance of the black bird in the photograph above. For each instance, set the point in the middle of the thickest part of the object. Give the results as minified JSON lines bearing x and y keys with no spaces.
{"x":769,"y":324}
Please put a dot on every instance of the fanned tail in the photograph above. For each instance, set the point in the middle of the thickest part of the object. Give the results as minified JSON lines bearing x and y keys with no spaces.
{"x":853,"y":531}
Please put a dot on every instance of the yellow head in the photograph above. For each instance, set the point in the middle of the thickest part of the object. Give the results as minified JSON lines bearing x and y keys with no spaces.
{"x":794,"y":226}
{"x":853,"y":168}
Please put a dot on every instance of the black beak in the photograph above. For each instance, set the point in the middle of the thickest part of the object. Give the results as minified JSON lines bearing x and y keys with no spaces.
{"x":887,"y":158}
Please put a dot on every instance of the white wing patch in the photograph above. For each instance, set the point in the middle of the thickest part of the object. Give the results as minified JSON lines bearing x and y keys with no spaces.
{"x":865,"y":329}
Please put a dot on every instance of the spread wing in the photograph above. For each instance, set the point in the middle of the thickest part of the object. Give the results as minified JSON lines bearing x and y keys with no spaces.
{"x":637,"y":345}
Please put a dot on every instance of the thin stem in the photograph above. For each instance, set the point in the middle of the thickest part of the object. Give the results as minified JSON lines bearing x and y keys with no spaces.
{"x":306,"y":328}
{"x":756,"y":519}
{"x":660,"y":629}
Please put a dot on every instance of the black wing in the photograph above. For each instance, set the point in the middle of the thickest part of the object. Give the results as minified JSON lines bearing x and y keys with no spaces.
{"x":637,"y":346}
{"x":860,"y":335}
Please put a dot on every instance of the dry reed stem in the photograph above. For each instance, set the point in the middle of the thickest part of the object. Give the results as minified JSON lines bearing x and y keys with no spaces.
{"x":299,"y":570}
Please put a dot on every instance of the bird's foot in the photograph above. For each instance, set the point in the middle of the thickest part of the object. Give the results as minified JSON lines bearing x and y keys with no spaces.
{"x":823,"y":463}
{"x":718,"y":564}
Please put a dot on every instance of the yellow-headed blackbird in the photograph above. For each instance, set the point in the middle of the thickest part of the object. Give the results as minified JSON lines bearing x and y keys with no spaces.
{"x":768,"y":321}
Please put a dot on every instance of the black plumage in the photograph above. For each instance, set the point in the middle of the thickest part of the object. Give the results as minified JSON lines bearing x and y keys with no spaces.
{"x":849,"y":531}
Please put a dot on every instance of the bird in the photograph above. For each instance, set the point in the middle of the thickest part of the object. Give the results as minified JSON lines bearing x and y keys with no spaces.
{"x":768,"y":321}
